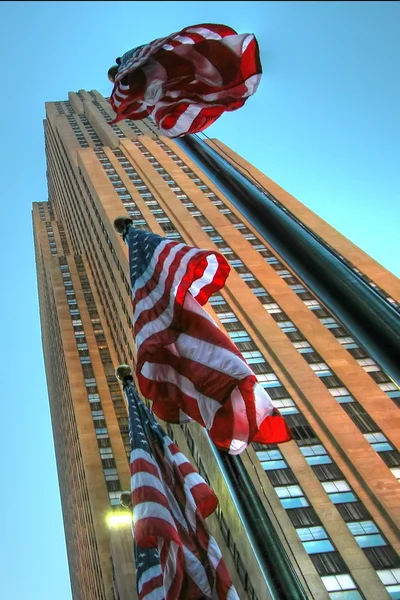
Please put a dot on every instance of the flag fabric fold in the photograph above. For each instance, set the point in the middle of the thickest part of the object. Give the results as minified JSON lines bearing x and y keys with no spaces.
{"x":188,"y":79}
{"x":185,"y":364}
{"x":176,"y":558}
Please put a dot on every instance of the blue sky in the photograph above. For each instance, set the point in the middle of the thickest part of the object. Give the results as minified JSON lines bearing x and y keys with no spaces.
{"x":324,"y":124}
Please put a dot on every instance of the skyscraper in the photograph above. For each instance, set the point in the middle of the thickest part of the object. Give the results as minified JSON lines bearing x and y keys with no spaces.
{"x":332,"y":494}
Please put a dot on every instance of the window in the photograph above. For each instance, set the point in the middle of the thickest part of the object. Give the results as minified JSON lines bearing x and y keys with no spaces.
{"x":396,"y":473}
{"x":329,"y":322}
{"x":286,"y":326}
{"x":227,"y":317}
{"x":368,"y":365}
{"x":286,"y":406}
{"x":337,"y":583}
{"x":315,"y":455}
{"x":366,"y":534}
{"x":389,"y":576}
{"x":247,"y":276}
{"x":378,"y":441}
{"x":291,"y":496}
{"x":339,"y":491}
{"x":321,"y":369}
{"x":315,"y":540}
{"x":85,"y":360}
{"x":271,"y":459}
{"x":303,"y":347}
{"x":312,"y":304}
{"x":272,"y":308}
{"x":341,"y":395}
{"x":239,"y":336}
{"x":114,"y":498}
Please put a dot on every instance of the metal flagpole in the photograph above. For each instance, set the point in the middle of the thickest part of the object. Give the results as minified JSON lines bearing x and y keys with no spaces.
{"x":280,"y":577}
{"x":367,"y":314}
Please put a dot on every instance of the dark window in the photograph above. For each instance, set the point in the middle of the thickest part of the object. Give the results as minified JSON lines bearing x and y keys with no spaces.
{"x":332,"y":381}
{"x":383,"y":557}
{"x":295,"y":336}
{"x":379,"y":376}
{"x":391,"y":458}
{"x":277,"y":393}
{"x":358,"y":353}
{"x":321,"y":312}
{"x":281,"y":476}
{"x":327,"y":472}
{"x":302,"y":431}
{"x":339,"y":332}
{"x":303,"y":517}
{"x":312,"y":357}
{"x":328,"y":563}
{"x":360,"y":417}
{"x":113,"y":486}
{"x":353,"y":511}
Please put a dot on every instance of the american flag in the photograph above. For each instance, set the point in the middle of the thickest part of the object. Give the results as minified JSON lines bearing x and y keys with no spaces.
{"x":185,"y":364}
{"x":176,"y":558}
{"x":187,"y":80}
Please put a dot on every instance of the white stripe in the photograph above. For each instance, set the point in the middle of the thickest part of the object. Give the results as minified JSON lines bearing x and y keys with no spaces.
{"x":149,"y":272}
{"x":208,"y":276}
{"x":139,"y":453}
{"x":210,"y":355}
{"x":152,"y":510}
{"x":213,"y":553}
{"x":196,"y":571}
{"x":184,"y":122}
{"x":149,"y":574}
{"x":170,"y":565}
{"x":191,"y":304}
{"x":252,"y":84}
{"x":157,"y":594}
{"x":183,"y":39}
{"x":168,"y":47}
{"x":164,"y":373}
{"x":240,"y":432}
{"x":142,"y":479}
{"x":175,"y":509}
{"x":207,"y":33}
{"x":232,"y":594}
{"x":214,"y":556}
{"x":264,"y":406}
{"x":179,"y":458}
{"x":237,"y":43}
{"x":205,"y":71}
{"x":164,"y":320}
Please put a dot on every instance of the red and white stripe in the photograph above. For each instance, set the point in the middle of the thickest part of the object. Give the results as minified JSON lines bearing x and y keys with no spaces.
{"x":186,"y":365}
{"x":213,"y":70}
{"x":169,"y":510}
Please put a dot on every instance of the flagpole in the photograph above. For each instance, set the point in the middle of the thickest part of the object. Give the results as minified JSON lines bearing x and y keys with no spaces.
{"x":279,"y":574}
{"x":367,"y":314}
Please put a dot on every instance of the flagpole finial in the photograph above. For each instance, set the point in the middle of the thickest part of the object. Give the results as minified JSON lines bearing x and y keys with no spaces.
{"x":124,"y":373}
{"x":122,"y":224}
{"x":126,"y":500}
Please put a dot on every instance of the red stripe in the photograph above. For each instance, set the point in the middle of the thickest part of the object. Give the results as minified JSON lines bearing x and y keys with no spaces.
{"x":142,"y":465}
{"x":151,"y":585}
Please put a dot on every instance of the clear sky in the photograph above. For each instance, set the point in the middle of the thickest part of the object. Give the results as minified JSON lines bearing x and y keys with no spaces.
{"x":324,"y":124}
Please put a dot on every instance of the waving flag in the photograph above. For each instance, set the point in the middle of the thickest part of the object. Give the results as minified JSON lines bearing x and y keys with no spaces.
{"x":185,"y":364}
{"x":187,"y":80}
{"x":176,"y":558}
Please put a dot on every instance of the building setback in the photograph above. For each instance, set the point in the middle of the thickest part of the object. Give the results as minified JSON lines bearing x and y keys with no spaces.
{"x":333,"y":493}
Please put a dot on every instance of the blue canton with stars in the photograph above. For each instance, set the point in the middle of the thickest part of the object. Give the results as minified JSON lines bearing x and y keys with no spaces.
{"x":142,"y":245}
